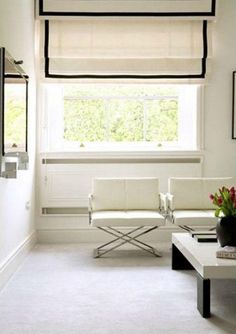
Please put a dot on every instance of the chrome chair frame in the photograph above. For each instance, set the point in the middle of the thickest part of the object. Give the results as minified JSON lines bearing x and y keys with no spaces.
{"x":126,"y":238}
{"x":122,"y":238}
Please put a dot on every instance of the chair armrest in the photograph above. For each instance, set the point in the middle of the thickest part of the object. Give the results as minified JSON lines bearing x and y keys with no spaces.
{"x":90,"y":207}
{"x":90,"y":198}
{"x":163,"y":202}
{"x":170,"y":201}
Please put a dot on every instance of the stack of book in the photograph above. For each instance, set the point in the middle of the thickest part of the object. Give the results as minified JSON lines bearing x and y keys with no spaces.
{"x":226,"y":252}
{"x":204,"y":236}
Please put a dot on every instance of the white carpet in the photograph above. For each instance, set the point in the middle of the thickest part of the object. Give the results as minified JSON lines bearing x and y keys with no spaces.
{"x":61,"y":289}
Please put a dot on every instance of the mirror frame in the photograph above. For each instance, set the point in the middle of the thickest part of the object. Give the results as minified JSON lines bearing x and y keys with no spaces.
{"x":20,"y":74}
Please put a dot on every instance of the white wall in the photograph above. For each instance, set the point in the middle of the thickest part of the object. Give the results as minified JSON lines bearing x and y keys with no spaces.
{"x":16,"y":222}
{"x":220,"y":149}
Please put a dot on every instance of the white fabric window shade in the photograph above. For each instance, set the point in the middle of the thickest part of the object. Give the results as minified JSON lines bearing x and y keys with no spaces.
{"x":126,"y":48}
{"x":203,"y":8}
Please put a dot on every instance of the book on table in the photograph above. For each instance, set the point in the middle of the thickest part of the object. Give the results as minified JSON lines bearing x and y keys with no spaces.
{"x":226,"y":252}
{"x":193,"y":233}
{"x":205,"y":237}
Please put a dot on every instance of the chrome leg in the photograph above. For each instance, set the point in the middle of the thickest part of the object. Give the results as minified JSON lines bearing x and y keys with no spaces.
{"x":108,"y":243}
{"x":134,"y":238}
{"x":126,"y":238}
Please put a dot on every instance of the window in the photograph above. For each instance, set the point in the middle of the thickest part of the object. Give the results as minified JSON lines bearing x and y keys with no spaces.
{"x":121,"y":116}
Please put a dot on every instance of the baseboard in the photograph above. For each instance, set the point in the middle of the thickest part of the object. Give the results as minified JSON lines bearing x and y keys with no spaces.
{"x":10,"y":265}
{"x":93,"y":235}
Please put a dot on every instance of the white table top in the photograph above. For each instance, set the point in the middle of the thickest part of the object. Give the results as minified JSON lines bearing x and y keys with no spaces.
{"x":202,"y":256}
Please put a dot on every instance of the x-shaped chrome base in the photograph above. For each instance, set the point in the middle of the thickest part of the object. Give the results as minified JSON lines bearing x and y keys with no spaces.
{"x":191,"y":229}
{"x":123,"y":238}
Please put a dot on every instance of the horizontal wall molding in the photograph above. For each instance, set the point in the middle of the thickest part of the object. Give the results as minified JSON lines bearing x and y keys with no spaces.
{"x":64,"y":211}
{"x":117,"y":160}
{"x":12,"y":262}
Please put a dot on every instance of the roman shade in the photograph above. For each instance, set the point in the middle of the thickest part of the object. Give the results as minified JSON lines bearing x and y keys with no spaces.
{"x":199,"y":8}
{"x":121,"y":47}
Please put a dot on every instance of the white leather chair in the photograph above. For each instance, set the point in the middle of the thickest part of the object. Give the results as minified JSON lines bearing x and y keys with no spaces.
{"x":188,"y":201}
{"x":125,"y":208}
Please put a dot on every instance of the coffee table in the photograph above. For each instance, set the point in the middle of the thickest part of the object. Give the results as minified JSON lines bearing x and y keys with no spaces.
{"x":188,"y":253}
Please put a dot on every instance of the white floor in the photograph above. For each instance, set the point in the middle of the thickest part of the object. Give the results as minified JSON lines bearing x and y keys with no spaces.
{"x":62,"y":289}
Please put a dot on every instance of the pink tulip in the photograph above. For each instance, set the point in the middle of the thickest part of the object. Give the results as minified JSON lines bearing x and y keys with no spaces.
{"x":211,"y":197}
{"x":232,"y":190}
{"x":220,"y":201}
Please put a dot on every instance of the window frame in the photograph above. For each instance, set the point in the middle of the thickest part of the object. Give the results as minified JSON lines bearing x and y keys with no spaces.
{"x":45,"y":137}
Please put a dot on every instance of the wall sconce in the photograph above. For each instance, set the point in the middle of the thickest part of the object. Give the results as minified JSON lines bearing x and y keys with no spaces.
{"x":10,"y":171}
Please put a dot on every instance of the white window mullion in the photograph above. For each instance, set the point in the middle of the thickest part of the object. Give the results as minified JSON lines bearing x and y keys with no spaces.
{"x":107,"y":106}
{"x":144,"y":119}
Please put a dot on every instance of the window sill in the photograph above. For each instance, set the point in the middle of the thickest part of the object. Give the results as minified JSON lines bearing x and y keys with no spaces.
{"x":124,"y":154}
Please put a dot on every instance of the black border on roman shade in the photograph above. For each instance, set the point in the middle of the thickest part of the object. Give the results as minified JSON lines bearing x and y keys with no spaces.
{"x":200,"y":75}
{"x":210,"y":13}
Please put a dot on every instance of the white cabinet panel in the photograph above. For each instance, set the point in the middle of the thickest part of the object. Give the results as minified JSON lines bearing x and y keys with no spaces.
{"x":68,"y":185}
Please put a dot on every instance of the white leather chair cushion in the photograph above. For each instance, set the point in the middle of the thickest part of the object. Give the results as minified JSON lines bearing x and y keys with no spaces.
{"x":187,"y":193}
{"x":193,"y":193}
{"x":125,"y":194}
{"x":195,"y":217}
{"x":142,"y":194}
{"x":127,"y":218}
{"x":108,"y":194}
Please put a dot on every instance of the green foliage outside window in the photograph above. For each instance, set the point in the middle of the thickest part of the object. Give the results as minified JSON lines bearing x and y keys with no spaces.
{"x":84,"y":120}
{"x":120,"y":114}
{"x":162,"y":124}
{"x":15,"y":116}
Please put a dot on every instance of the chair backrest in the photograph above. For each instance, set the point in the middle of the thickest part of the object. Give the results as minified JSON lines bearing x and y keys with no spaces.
{"x":125,"y":194}
{"x":193,"y":193}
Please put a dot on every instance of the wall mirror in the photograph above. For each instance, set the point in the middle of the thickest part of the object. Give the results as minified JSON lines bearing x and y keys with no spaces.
{"x":14,"y":113}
